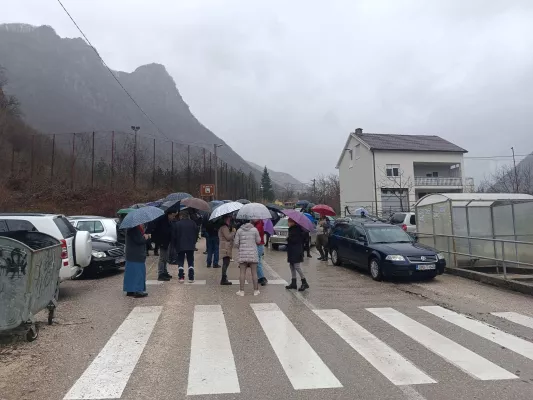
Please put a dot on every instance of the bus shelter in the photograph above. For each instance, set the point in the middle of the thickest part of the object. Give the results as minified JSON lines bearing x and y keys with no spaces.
{"x":479,"y":230}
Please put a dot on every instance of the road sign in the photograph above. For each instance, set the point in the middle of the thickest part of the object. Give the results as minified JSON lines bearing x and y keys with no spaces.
{"x":207,"y":190}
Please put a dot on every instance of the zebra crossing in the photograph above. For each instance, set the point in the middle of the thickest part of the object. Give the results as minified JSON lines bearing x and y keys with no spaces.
{"x":213,"y":369}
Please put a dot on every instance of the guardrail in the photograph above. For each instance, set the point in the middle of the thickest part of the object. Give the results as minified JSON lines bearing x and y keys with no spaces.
{"x":497,"y":242}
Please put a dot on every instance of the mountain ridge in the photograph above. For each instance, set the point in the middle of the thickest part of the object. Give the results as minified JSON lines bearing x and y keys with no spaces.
{"x":280,"y":178}
{"x":63,"y":86}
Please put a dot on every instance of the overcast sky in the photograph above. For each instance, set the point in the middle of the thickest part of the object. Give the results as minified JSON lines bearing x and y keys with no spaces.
{"x":284,"y":82}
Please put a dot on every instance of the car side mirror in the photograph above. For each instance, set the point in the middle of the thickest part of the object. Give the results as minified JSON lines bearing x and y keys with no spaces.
{"x":362,"y":238}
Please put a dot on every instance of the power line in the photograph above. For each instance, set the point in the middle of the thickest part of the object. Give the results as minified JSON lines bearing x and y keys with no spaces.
{"x":118,"y":81}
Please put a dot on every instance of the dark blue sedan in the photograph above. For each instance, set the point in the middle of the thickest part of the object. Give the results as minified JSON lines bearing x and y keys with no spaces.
{"x":384,"y":249}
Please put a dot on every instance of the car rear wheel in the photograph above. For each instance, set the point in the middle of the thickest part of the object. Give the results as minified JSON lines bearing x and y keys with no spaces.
{"x":335,"y":258}
{"x":375,"y":270}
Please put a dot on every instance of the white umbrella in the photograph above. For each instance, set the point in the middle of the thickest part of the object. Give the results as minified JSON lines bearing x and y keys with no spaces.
{"x":254,"y":211}
{"x":224,"y":209}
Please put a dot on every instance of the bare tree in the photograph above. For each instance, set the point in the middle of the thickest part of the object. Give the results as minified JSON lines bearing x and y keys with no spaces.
{"x":400,"y":186}
{"x":508,"y":180}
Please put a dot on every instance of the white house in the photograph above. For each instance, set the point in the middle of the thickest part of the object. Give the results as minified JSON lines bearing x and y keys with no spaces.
{"x":387,"y":173}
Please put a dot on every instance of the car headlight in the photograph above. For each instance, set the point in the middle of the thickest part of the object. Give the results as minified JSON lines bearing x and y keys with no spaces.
{"x":395,"y":258}
{"x":98,"y":254}
{"x":440,"y":256}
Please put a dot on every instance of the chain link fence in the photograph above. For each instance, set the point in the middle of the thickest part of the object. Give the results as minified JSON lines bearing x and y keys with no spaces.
{"x":115,"y":159}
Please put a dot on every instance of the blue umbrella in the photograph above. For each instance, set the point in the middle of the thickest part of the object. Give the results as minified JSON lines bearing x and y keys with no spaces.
{"x":215,"y":203}
{"x":177,"y":196}
{"x":141,"y":216}
{"x":311,"y":218}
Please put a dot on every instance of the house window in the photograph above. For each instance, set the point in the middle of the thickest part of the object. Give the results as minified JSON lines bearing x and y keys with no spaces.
{"x":435,"y":174}
{"x":393,"y":170}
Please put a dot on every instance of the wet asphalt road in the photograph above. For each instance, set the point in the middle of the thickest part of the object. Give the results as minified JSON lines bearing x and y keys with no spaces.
{"x":280,"y":344}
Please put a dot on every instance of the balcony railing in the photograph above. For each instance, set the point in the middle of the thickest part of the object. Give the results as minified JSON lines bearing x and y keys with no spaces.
{"x":430,"y":181}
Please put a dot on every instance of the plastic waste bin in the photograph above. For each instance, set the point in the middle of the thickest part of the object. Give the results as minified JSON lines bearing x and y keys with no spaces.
{"x":29,"y":279}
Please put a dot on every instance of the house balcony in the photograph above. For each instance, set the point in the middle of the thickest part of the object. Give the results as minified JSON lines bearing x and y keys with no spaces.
{"x":438,"y":181}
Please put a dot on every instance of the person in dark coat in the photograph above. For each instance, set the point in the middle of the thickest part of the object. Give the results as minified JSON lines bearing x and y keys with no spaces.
{"x":161,"y":231}
{"x":213,"y":244}
{"x":295,"y":254}
{"x":184,"y":235}
{"x":135,"y":272}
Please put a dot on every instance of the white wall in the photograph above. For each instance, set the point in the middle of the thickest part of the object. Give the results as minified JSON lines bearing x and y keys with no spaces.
{"x":356,"y":178}
{"x":406,"y":159}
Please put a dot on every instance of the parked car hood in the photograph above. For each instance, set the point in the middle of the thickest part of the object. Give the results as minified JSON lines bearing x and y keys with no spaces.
{"x":103,"y":245}
{"x":404,"y":249}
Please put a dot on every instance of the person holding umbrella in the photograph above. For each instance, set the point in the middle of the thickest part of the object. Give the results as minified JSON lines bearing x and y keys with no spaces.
{"x":184,"y":234}
{"x":246,"y":240}
{"x":226,"y":238}
{"x":225,"y":235}
{"x":299,"y":227}
{"x":295,"y":247}
{"x":135,"y":273}
{"x":161,"y":232}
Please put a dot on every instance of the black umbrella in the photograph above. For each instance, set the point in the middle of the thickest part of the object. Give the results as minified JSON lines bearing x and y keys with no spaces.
{"x":274,"y":207}
{"x":243,"y":201}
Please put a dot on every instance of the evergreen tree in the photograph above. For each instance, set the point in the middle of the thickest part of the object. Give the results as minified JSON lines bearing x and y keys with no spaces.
{"x":266,"y":184}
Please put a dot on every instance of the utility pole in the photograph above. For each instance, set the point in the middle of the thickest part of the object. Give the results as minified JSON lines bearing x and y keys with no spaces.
{"x":515,"y":173}
{"x":135,"y":129}
{"x":215,"y":147}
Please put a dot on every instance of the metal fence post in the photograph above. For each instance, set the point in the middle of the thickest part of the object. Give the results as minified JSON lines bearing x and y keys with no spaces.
{"x":503,"y":261}
{"x":172,"y":165}
{"x":112,"y":157}
{"x":12,"y":160}
{"x":188,"y":168}
{"x":92,"y":165}
{"x":73,"y":165}
{"x":53,"y":156}
{"x":515,"y":236}
{"x":153,"y":168}
{"x":32,"y":156}
{"x":204,"y":165}
{"x":468,"y":232}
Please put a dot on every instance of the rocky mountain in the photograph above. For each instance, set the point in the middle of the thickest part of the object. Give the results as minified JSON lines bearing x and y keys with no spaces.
{"x":280,"y":178}
{"x":64,"y":87}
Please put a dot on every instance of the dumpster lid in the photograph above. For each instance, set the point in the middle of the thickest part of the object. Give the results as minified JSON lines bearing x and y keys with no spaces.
{"x":34,"y":240}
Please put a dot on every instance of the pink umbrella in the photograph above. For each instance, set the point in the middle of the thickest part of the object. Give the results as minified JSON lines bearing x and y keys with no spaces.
{"x":300,"y":219}
{"x":268,"y":227}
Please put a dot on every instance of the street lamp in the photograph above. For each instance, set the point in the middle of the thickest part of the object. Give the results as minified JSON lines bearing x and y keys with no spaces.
{"x":135,"y":129}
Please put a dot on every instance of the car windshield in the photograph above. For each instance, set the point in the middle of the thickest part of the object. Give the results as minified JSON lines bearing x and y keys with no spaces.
{"x":388,"y":234}
{"x":283,"y":223}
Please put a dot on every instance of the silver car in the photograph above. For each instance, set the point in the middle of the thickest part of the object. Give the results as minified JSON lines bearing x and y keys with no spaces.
{"x":281,"y":231}
{"x":99,"y":227}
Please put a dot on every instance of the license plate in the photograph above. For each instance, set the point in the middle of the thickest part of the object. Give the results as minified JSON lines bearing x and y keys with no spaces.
{"x":119,"y":260}
{"x":425,"y":267}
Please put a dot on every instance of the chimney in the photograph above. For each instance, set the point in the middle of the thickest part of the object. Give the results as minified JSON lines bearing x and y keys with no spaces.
{"x":359,"y":131}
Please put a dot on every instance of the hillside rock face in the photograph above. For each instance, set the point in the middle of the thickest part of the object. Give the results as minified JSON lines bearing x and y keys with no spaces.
{"x":64,"y":87}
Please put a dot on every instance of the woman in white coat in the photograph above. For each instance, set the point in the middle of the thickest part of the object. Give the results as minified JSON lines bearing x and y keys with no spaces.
{"x":246,"y":240}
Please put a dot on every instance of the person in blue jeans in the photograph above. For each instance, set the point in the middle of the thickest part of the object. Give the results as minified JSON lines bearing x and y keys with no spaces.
{"x":213,"y":243}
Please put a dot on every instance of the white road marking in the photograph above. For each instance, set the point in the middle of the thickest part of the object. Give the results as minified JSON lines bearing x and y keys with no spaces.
{"x":212,"y":366}
{"x":520,"y":319}
{"x":200,"y":282}
{"x":410,"y":393}
{"x":154,"y":282}
{"x":460,"y":356}
{"x":301,"y":363}
{"x":386,"y":360}
{"x":110,"y":371}
{"x":270,"y":282}
{"x":511,"y":342}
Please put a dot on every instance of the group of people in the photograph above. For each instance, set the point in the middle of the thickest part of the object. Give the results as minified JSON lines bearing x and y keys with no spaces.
{"x":176,"y":234}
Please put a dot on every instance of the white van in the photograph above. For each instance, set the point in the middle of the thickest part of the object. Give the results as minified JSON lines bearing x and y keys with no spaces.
{"x":76,"y":245}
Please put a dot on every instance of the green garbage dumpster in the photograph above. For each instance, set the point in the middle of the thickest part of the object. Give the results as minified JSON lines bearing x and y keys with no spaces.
{"x":29,"y":279}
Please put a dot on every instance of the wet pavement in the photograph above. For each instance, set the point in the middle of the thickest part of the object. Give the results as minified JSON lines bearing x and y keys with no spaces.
{"x":348,"y":337}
